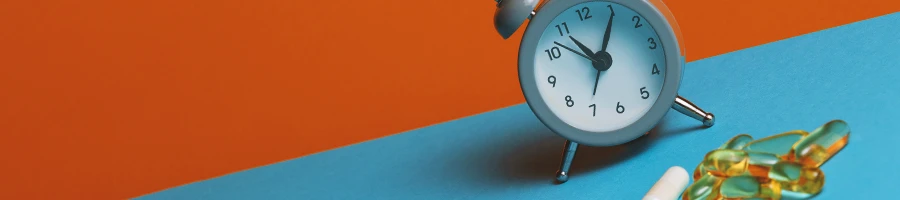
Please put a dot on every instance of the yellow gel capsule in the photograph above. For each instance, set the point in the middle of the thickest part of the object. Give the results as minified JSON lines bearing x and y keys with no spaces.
{"x":737,"y":142}
{"x":704,"y":188}
{"x":822,"y":143}
{"x":759,"y":164}
{"x":700,"y":171}
{"x":779,"y":144}
{"x":725,"y":162}
{"x":795,"y":195}
{"x":748,"y":187}
{"x":796,"y":178}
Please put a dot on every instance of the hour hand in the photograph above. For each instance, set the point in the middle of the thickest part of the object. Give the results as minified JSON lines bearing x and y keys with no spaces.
{"x":584,"y":49}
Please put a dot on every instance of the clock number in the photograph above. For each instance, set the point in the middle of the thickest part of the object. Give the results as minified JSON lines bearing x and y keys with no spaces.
{"x":611,"y":10}
{"x":552,"y":80}
{"x":644,"y":93}
{"x":563,"y":27}
{"x":655,"y":70}
{"x":652,"y":43}
{"x":569,"y":101}
{"x":553,"y":53}
{"x":637,"y":24}
{"x":594,"y":106}
{"x":619,"y":108}
{"x":584,"y":13}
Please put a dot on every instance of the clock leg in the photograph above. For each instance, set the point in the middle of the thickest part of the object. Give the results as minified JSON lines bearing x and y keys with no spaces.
{"x":687,"y":108}
{"x":568,"y":155}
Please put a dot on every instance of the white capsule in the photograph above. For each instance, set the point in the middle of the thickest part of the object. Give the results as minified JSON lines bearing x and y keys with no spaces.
{"x":669,"y":186}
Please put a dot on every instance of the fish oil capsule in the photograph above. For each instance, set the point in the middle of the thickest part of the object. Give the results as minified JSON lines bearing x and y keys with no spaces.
{"x":749,"y":187}
{"x":796,"y":178}
{"x":725,"y":162}
{"x":704,"y":188}
{"x":700,"y":171}
{"x":728,"y":162}
{"x":779,"y":144}
{"x":737,"y":143}
{"x":759,"y":164}
{"x":822,"y":143}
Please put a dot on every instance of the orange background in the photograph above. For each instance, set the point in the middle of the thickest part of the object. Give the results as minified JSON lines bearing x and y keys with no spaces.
{"x":104,"y":99}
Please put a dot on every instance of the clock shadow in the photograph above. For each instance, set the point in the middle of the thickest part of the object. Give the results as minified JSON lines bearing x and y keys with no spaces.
{"x":537,"y":160}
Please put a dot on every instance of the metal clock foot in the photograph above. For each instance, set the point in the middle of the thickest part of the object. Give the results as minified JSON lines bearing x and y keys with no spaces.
{"x":568,"y":155}
{"x":687,"y":108}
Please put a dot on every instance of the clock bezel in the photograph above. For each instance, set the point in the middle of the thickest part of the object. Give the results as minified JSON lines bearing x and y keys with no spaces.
{"x":673,"y":73}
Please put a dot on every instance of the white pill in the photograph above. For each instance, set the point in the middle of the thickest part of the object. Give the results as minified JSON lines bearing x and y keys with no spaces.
{"x":669,"y":186}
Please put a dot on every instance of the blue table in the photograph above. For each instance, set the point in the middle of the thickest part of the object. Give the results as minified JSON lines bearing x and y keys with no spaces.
{"x":851,"y":72}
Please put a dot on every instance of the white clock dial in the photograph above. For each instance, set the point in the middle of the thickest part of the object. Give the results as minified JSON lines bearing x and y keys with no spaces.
{"x":631,"y":67}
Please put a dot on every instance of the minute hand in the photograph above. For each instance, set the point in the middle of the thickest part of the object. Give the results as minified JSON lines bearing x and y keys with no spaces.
{"x":608,"y":29}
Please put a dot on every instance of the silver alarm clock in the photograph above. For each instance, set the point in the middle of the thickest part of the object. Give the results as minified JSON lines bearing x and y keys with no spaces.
{"x":598,"y":72}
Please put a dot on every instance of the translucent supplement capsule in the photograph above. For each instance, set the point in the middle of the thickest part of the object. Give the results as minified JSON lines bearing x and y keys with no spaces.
{"x":737,"y":143}
{"x":747,"y":187}
{"x":822,"y":143}
{"x":779,"y":144}
{"x":700,"y":171}
{"x":707,"y":187}
{"x":796,"y":178}
{"x":759,"y":164}
{"x":727,"y":162}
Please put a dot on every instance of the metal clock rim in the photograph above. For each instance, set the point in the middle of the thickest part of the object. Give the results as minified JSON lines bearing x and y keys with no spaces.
{"x":673,"y":75}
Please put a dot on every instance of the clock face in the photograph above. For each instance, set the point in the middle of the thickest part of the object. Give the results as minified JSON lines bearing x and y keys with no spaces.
{"x":599,"y":66}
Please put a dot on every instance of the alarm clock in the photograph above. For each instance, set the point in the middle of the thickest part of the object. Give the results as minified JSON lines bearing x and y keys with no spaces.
{"x":598,"y":72}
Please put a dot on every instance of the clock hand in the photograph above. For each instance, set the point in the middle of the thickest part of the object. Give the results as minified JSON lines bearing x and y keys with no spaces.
{"x":603,"y":55}
{"x":576,"y":52}
{"x":588,"y":51}
{"x":596,"y":81}
{"x":608,"y":29}
{"x":583,"y":48}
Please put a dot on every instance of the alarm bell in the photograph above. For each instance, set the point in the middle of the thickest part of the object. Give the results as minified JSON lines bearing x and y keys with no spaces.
{"x":510,"y":14}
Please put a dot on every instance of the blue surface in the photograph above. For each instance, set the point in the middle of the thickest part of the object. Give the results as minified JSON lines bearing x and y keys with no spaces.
{"x":848,"y":72}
